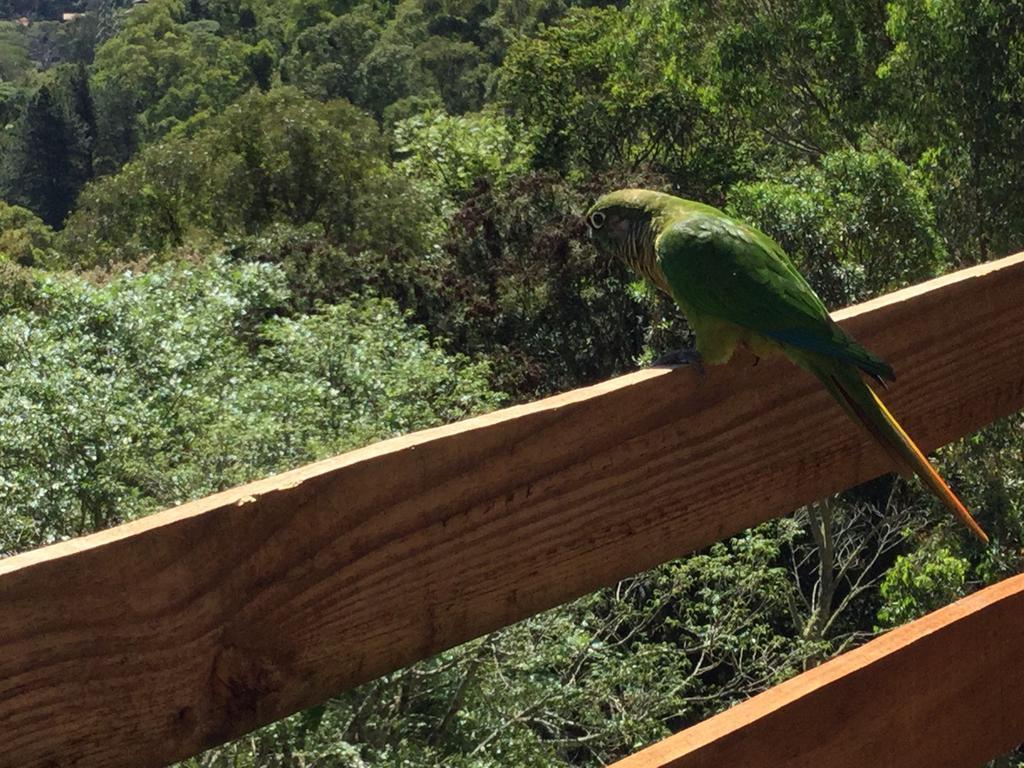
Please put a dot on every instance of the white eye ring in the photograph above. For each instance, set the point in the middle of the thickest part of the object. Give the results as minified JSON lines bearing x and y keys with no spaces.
{"x":597,"y":219}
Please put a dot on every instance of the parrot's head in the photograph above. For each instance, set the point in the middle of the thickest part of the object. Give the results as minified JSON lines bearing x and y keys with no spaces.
{"x":624,"y":224}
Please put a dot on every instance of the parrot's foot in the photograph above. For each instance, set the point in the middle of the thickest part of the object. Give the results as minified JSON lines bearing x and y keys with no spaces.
{"x":680,"y":358}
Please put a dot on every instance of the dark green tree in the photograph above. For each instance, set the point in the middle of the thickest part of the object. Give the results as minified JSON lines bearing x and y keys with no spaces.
{"x":43,"y":169}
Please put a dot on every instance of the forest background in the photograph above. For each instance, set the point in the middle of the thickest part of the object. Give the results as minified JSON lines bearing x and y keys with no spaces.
{"x":241,"y":235}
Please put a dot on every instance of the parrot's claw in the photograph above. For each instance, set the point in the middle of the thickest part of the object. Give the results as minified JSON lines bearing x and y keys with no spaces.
{"x":679,"y":358}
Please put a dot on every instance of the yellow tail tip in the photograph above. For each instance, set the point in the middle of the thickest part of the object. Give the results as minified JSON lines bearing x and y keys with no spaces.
{"x":931,"y":478}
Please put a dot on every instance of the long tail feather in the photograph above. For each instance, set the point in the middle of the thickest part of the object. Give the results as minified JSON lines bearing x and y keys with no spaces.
{"x":865,"y":407}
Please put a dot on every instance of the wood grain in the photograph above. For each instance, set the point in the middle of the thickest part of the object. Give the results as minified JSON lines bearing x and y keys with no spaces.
{"x":154,"y":640}
{"x":947,"y":690}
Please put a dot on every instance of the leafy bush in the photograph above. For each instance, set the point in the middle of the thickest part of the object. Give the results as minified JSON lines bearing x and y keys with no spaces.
{"x":153,"y":389}
{"x":24,"y":237}
{"x":858,"y":225}
{"x":921,"y":582}
{"x":453,"y":153}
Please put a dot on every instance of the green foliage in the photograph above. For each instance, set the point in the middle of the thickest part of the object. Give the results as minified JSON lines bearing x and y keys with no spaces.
{"x":13,"y":99}
{"x":592,"y":96}
{"x":171,"y":68}
{"x":52,"y":42}
{"x":274,"y":157}
{"x":801,"y":73}
{"x":859,"y":224}
{"x":452,"y":154}
{"x":921,"y":582}
{"x":426,"y":54}
{"x":962,"y":65}
{"x":387,"y":57}
{"x":24,"y":238}
{"x":987,"y":467}
{"x":325,"y":59}
{"x":14,"y":58}
{"x":154,"y":389}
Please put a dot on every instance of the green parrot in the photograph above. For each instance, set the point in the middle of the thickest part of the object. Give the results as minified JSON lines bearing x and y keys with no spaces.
{"x":736,"y":286}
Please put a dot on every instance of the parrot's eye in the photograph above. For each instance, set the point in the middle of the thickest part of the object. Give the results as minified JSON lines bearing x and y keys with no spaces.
{"x":597,"y":219}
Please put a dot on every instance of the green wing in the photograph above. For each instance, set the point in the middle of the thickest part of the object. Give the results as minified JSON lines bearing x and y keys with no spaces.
{"x":719,"y":267}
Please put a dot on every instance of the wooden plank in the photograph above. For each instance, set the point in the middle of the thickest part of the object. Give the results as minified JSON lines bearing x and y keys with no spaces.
{"x":946,"y":690}
{"x":157,"y":639}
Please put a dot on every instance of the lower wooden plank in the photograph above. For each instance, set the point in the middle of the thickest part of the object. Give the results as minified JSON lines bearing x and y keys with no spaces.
{"x":152,"y":641}
{"x":947,"y":690}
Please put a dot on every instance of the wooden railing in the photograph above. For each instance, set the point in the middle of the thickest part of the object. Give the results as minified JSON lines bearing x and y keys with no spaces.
{"x":152,"y":641}
{"x":947,"y":690}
